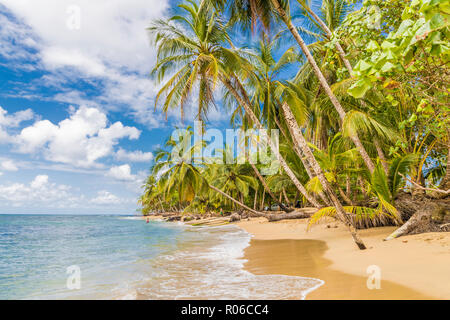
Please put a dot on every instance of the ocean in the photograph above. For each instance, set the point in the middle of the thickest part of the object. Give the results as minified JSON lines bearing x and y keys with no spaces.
{"x":119,"y":257}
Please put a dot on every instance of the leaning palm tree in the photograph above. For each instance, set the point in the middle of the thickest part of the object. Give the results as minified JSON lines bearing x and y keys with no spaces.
{"x":334,"y":12}
{"x":301,"y":141}
{"x":193,"y":51}
{"x":280,"y":9}
{"x":263,"y":83}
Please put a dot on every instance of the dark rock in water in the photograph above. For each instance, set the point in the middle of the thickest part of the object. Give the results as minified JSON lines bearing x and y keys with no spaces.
{"x":235,"y":217}
{"x":188,"y":218}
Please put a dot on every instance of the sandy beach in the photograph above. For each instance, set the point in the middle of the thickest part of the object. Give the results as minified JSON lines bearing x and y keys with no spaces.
{"x":412,"y":267}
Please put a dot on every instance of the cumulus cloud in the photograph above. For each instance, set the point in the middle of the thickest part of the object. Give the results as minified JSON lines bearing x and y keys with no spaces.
{"x":42,"y":193}
{"x":134,"y":156}
{"x":12,"y":121}
{"x":122,"y":173}
{"x":8,"y":165}
{"x":40,"y":190}
{"x":105,"y":197}
{"x":80,"y":140}
{"x":121,"y":62}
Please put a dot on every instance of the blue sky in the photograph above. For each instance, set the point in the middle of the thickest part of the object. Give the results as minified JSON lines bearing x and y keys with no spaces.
{"x":77,"y":118}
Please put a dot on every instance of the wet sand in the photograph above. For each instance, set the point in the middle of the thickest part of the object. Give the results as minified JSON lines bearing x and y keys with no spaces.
{"x":305,"y":258}
{"x":412,"y":267}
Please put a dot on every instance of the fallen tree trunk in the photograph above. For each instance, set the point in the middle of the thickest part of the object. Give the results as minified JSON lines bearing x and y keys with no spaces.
{"x":299,"y":214}
{"x":420,"y":222}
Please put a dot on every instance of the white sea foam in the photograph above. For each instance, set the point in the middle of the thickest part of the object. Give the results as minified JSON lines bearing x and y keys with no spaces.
{"x":209,"y":265}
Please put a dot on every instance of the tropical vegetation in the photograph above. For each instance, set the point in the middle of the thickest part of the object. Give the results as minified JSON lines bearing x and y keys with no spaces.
{"x":359,"y":92}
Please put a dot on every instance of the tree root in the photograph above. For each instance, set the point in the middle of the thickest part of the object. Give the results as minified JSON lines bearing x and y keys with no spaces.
{"x":426,"y":219}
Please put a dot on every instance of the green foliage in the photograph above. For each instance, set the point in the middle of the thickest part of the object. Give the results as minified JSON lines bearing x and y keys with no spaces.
{"x":396,"y":100}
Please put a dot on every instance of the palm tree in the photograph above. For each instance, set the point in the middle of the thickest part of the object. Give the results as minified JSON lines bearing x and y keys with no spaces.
{"x":193,"y":50}
{"x":281,"y":9}
{"x":264,"y":84}
{"x":179,"y":176}
{"x":301,"y":141}
{"x":335,"y":160}
{"x":234,"y":180}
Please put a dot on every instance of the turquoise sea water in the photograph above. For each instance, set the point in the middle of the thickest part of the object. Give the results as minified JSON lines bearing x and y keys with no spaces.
{"x":126,"y":258}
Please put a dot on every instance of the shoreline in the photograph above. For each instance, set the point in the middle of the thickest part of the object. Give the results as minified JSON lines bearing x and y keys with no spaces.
{"x":412,"y":267}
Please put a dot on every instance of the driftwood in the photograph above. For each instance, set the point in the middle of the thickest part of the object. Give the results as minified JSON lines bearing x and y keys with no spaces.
{"x":418,"y":220}
{"x":298,"y":214}
{"x":235,"y":217}
{"x":421,"y":215}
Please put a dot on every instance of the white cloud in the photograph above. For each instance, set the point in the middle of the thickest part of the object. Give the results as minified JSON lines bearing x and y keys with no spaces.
{"x":42,"y":193}
{"x":122,"y":173}
{"x":100,"y":19}
{"x":105,"y":197}
{"x":16,"y":42}
{"x":12,"y":121}
{"x":40,"y":190}
{"x":111,"y":45}
{"x":80,"y":140}
{"x":39,"y":181}
{"x":8,"y":165}
{"x":55,"y":58}
{"x":15,"y":119}
{"x":134,"y":156}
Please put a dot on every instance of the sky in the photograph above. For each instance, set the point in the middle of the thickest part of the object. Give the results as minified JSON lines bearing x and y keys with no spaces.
{"x":77,"y":119}
{"x":78,"y":125}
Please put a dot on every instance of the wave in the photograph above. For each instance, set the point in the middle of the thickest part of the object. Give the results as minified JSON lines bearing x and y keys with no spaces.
{"x":209,"y":264}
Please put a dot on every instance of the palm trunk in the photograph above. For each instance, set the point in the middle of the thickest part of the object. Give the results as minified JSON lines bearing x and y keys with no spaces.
{"x":298,"y":151}
{"x":255,"y":120}
{"x":324,"y":83}
{"x":255,"y":201}
{"x":329,"y":34}
{"x":285,"y":196}
{"x":381,"y":155}
{"x":361,"y":185}
{"x":307,"y":166}
{"x":349,"y":67}
{"x":348,"y":190}
{"x":300,"y":140}
{"x":234,"y":200}
{"x":267,"y":189}
{"x":344,"y":196}
{"x":262,"y":201}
